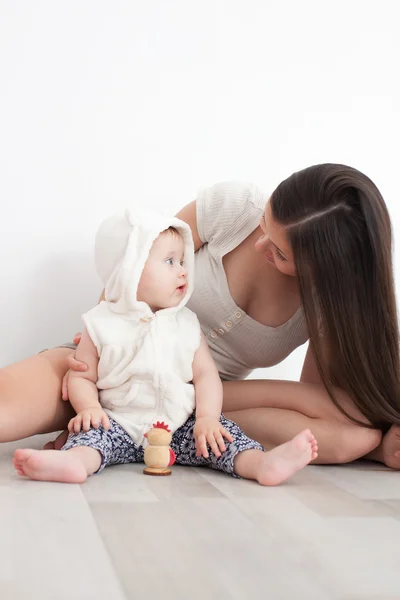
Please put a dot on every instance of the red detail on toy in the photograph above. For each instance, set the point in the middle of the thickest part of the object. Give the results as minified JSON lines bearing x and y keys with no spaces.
{"x":161,"y":425}
{"x":172,"y":457}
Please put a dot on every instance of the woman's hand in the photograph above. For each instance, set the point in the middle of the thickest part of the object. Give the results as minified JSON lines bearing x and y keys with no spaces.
{"x":90,"y":417}
{"x":208,"y":430}
{"x":77,"y":337}
{"x":74,"y":365}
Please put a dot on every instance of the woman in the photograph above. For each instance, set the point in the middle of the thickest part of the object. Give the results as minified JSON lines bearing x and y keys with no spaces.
{"x":313,"y":261}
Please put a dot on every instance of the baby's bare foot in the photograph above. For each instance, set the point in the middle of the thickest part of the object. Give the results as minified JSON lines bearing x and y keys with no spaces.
{"x":279,"y":464}
{"x":49,"y":465}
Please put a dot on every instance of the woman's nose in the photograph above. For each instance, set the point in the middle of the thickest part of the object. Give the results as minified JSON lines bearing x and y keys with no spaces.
{"x":262,"y":243}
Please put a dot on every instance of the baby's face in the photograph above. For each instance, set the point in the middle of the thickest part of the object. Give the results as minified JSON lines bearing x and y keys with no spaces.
{"x":163,"y":283}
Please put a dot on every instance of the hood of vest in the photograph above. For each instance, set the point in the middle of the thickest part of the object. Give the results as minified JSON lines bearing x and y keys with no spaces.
{"x":122,"y":247}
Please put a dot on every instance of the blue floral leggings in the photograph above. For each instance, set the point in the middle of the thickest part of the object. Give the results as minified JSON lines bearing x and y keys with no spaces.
{"x":117,"y":447}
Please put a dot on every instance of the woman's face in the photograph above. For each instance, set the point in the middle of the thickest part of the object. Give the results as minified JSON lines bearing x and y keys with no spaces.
{"x":274,"y":245}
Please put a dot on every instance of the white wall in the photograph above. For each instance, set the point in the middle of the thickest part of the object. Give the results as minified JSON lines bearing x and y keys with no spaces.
{"x":105,"y":101}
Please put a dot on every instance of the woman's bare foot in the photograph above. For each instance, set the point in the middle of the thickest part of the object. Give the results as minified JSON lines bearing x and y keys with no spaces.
{"x":388,"y":451}
{"x":50,"y":465}
{"x":282,"y":462}
{"x":58,"y":443}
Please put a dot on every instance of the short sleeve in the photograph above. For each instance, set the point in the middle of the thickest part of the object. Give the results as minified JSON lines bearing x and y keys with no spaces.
{"x":225,"y":207}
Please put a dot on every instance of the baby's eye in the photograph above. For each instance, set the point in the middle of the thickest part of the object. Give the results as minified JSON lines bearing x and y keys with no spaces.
{"x":182,"y":263}
{"x":170,"y":261}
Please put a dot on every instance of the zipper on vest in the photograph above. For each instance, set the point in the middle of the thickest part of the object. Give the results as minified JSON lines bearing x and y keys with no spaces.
{"x":156,"y":376}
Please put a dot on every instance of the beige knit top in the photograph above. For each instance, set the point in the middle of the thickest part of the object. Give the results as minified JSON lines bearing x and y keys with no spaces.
{"x":226,"y":215}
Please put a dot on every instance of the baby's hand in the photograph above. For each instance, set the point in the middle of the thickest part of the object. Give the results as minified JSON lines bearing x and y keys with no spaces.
{"x":208,"y":430}
{"x":90,"y":417}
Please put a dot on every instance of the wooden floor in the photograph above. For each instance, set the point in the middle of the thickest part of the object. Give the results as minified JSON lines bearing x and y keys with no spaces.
{"x":329,"y":533}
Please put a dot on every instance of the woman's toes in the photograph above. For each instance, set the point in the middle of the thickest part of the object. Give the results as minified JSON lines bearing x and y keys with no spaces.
{"x":49,"y":446}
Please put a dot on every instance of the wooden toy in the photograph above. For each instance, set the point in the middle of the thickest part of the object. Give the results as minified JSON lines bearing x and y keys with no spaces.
{"x":158,"y":456}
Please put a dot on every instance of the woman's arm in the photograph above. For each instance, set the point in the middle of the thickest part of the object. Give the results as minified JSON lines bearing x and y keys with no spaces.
{"x":272,"y":412}
{"x":310,"y":373}
{"x":82,"y":385}
{"x":307,"y":396}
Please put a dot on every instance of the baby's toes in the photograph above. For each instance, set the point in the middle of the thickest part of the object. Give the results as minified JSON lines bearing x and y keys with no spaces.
{"x":309,"y":436}
{"x":18,"y":467}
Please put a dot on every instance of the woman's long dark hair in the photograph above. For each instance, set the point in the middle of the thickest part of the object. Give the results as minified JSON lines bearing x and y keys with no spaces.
{"x":340,"y":232}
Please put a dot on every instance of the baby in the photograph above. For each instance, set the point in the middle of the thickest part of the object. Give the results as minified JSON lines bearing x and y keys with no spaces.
{"x":149,"y":361}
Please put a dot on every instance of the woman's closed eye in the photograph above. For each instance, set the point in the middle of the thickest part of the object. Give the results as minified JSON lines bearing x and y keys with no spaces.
{"x":279,"y":255}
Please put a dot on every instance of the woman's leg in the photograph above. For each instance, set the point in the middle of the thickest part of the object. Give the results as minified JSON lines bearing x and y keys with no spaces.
{"x":273,"y":412}
{"x":30,"y":396}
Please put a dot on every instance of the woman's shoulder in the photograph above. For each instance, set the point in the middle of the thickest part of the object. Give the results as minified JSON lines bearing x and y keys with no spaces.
{"x":221,"y":205}
{"x":231,"y":193}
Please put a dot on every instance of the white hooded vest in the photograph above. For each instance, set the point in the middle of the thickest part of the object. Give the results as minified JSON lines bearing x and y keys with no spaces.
{"x":145,"y":358}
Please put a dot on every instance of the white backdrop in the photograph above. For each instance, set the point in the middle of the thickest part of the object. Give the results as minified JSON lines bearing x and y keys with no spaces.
{"x":103,"y":102}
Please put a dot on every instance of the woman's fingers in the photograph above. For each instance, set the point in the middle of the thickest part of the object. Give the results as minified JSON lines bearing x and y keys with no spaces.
{"x":64,"y":386}
{"x":76,"y":365}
